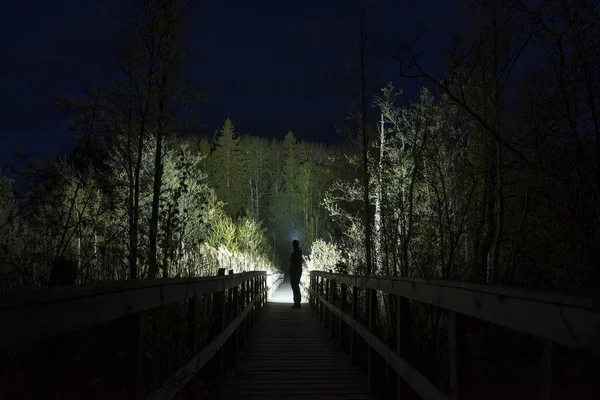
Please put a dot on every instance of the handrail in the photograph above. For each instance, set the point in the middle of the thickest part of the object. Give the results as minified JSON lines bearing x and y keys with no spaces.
{"x":71,"y":292}
{"x":572,"y":321}
{"x":169,"y":389}
{"x":28,"y":318}
{"x":419,"y":383}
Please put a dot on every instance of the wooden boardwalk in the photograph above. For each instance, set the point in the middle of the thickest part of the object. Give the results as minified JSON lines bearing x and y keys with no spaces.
{"x":290,"y":356}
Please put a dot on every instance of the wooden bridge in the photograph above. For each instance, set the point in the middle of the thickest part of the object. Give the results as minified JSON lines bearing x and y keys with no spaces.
{"x":357,"y":338}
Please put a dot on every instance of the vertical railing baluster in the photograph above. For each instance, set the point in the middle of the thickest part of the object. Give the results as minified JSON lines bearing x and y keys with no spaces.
{"x":320,"y":291}
{"x":332,"y":301}
{"x":235,"y":312}
{"x":343,"y":306}
{"x":192,"y":324}
{"x":403,"y":338}
{"x":372,"y":321}
{"x":553,"y":361}
{"x":457,"y":368}
{"x":313,"y":286}
{"x":137,"y":332}
{"x":262,"y":293}
{"x":354,"y":336}
{"x":250,"y":299}
{"x":327,"y":285}
{"x":264,"y":289}
{"x":220,"y":300}
{"x":244,"y":302}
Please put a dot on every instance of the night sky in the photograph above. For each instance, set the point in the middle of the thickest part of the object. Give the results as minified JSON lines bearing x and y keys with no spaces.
{"x":270,"y":66}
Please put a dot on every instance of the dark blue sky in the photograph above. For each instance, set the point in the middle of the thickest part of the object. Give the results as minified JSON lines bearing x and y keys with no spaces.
{"x":270,"y":66}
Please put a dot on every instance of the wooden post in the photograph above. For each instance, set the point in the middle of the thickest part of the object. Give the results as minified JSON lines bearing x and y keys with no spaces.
{"x":326,"y":310}
{"x":220,"y":300}
{"x":403,"y":340}
{"x":261,"y":292}
{"x":235,"y":312}
{"x":193,"y":325}
{"x":457,"y":354}
{"x":310,"y":286}
{"x":343,"y":306}
{"x":312,"y":291}
{"x":332,"y":300}
{"x":255,"y":283}
{"x":230,"y":307}
{"x":250,"y":299}
{"x":353,"y":336}
{"x":243,"y":301}
{"x":321,"y":292}
{"x":137,"y":331}
{"x":372,"y":321}
{"x":315,"y":291}
{"x":553,"y":360}
{"x":258,"y":294}
{"x":241,"y":307}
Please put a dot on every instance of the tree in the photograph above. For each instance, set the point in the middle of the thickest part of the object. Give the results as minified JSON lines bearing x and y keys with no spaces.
{"x":290,"y":171}
{"x":227,"y":169}
{"x":364,"y":134}
{"x":255,"y":152}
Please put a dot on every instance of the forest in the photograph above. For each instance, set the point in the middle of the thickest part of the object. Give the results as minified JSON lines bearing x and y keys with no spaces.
{"x":490,"y":174}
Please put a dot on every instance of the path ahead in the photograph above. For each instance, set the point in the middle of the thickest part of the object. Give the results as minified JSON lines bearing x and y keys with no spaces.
{"x":290,"y":356}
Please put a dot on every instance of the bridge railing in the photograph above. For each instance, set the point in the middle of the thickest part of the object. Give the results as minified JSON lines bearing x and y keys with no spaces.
{"x":213,"y":315}
{"x":558,"y":320}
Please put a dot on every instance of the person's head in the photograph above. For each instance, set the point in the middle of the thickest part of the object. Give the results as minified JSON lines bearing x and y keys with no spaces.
{"x":296,"y":244}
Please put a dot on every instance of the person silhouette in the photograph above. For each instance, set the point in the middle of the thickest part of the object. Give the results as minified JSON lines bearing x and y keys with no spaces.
{"x":296,"y":272}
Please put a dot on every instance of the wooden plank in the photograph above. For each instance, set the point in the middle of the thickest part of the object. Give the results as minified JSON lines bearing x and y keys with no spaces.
{"x":69,"y":309}
{"x":569,"y":320}
{"x":418,"y":382}
{"x":169,"y":389}
{"x":291,"y":356}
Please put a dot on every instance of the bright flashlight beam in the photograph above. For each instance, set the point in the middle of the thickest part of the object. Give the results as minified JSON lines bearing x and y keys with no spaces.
{"x":284,"y":294}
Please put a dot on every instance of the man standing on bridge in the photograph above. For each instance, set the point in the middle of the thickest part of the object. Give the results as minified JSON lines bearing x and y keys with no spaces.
{"x":296,"y":272}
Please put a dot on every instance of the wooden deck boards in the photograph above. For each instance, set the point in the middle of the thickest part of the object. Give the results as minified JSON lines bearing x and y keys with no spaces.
{"x":290,"y":356}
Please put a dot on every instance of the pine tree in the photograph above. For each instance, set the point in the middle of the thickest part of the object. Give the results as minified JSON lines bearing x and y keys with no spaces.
{"x":255,"y":152}
{"x":290,"y":171}
{"x":228,"y":169}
